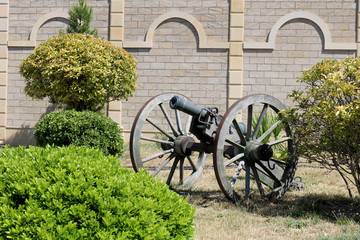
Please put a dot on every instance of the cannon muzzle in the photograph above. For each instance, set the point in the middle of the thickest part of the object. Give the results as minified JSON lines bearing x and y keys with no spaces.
{"x":177,"y":103}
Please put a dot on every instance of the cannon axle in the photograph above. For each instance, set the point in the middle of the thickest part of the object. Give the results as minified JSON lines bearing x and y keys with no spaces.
{"x":186,"y":145}
{"x":255,"y":151}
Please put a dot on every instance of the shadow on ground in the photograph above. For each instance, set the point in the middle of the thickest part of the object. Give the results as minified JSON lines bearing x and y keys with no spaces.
{"x":331,"y":208}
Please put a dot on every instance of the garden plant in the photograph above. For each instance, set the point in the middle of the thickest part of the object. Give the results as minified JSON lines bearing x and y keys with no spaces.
{"x":80,"y":16}
{"x":326,"y":117}
{"x":80,"y":71}
{"x":79,"y":193}
{"x":86,"y":128}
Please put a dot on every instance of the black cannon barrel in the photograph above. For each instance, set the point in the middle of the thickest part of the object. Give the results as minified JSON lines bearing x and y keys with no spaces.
{"x":177,"y":103}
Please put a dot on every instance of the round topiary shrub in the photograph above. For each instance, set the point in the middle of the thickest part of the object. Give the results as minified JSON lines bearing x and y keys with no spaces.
{"x":86,"y":128}
{"x":79,"y":193}
{"x":80,"y":71}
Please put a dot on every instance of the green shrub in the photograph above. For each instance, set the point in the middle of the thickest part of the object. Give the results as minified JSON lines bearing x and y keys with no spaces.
{"x":80,"y":71}
{"x":79,"y":193}
{"x":86,"y":128}
{"x":326,"y":117}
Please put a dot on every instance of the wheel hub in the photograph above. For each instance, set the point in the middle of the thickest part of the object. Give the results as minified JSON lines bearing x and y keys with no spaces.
{"x":255,"y":151}
{"x":181,"y":143}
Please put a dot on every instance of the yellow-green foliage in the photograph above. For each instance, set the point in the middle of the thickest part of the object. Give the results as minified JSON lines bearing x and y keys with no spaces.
{"x":327,"y":116}
{"x":81,"y":71}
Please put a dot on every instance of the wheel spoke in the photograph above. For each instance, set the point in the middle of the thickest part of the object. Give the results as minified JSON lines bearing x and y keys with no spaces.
{"x":157,"y":140}
{"x":257,"y":179}
{"x":196,"y":173}
{"x":144,"y":160}
{"x":278,"y":161}
{"x":268,"y":172}
{"x":242,"y":148}
{"x":178,"y":121}
{"x":173,"y":168}
{"x":247,"y":181}
{"x":181,"y":170}
{"x":281,"y":140}
{"x":162,"y":165}
{"x":259,"y":122}
{"x":238,"y":130}
{"x":249,"y":123}
{"x":188,"y":124}
{"x":168,"y":119}
{"x":151,"y":121}
{"x":191,"y":163}
{"x":262,"y":137}
{"x":234,"y":159}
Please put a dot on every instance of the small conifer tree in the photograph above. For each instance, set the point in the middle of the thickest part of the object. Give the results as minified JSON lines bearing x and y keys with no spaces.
{"x":80,"y":19}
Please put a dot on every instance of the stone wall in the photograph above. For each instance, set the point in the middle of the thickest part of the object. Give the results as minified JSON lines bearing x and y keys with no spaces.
{"x":213,"y":51}
{"x":175,"y":63}
{"x":299,"y":44}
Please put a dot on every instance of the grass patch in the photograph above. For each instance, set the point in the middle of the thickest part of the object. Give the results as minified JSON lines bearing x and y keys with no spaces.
{"x":322,"y":211}
{"x":346,"y":236}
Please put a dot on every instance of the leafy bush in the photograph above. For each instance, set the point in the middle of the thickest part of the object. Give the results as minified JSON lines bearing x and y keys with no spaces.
{"x":80,"y":71}
{"x":327,"y":117}
{"x":86,"y":128}
{"x":78,"y":193}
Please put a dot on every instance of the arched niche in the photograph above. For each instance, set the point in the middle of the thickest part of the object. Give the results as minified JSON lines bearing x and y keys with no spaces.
{"x":34,"y":31}
{"x":203,"y":43}
{"x":41,"y":21}
{"x":328,"y":44}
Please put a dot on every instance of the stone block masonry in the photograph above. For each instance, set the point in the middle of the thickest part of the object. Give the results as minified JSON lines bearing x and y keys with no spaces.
{"x":299,"y":43}
{"x":212,"y":51}
{"x":175,"y":63}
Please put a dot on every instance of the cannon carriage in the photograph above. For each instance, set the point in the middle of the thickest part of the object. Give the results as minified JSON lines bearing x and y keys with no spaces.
{"x":171,"y":138}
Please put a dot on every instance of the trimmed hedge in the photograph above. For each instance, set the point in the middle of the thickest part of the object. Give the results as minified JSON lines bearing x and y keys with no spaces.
{"x":86,"y":128}
{"x":79,"y":193}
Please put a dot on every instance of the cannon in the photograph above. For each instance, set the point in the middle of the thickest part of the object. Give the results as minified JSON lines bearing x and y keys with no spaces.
{"x":250,"y":145}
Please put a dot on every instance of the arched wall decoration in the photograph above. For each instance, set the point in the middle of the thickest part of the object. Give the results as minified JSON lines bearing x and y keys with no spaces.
{"x":34,"y":31}
{"x":41,"y":21}
{"x":328,"y":44}
{"x":203,"y":43}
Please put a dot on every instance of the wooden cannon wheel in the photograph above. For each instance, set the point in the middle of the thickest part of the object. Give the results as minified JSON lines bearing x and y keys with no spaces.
{"x":264,"y":151}
{"x":155,"y":140}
